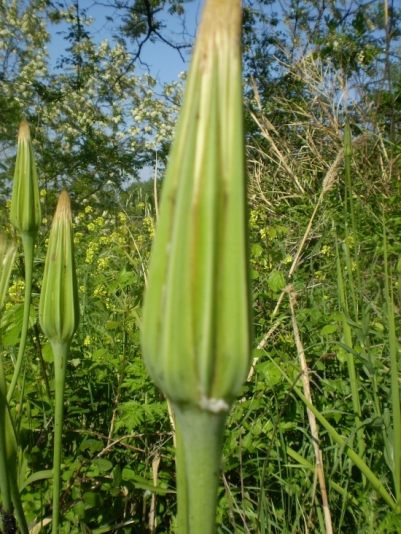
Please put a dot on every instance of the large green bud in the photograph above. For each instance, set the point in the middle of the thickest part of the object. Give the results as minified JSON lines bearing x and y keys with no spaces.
{"x":196,"y":334}
{"x":59,"y":306}
{"x":25,"y":213}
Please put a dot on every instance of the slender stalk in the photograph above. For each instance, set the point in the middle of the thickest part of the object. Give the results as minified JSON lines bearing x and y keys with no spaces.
{"x":60,"y":351}
{"x":202,"y":436}
{"x":28,"y":242}
{"x":12,"y":457}
{"x":4,"y":479}
{"x":350,"y":360}
{"x":395,"y":388}
{"x":311,"y":416}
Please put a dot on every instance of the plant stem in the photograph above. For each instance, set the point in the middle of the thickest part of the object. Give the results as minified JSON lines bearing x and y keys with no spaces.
{"x":60,"y":352}
{"x":28,"y":243}
{"x":182,"y":490}
{"x":202,"y":438}
{"x":4,"y":481}
{"x":12,"y":466}
{"x":394,"y":366}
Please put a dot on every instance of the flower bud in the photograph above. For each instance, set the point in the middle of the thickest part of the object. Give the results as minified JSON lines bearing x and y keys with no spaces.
{"x":25,"y":213}
{"x":196,"y":333}
{"x":59,"y":306}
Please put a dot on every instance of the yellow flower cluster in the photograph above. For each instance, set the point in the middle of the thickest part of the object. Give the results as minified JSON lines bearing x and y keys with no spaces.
{"x":116,"y":237}
{"x":91,"y":251}
{"x":100,"y":291}
{"x":77,"y":237}
{"x":149,"y":226}
{"x":256,"y":217}
{"x":102,"y":263}
{"x":16,"y":290}
{"x":326,"y":250}
{"x":319,"y":276}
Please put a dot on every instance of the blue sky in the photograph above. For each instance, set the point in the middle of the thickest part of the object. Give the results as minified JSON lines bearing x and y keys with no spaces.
{"x":164,"y":62}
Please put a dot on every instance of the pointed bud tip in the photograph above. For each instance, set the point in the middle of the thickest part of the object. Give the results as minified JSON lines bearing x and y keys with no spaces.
{"x":23,"y":131}
{"x":220,"y":17}
{"x":63,"y":209}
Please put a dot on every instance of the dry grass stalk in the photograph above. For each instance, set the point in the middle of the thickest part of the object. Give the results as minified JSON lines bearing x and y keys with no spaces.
{"x":311,"y":416}
{"x":152,"y":512}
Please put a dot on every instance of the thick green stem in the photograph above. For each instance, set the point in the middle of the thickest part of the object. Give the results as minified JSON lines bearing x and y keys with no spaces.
{"x":28,"y":243}
{"x":181,"y":477}
{"x":202,"y":438}
{"x":60,"y":352}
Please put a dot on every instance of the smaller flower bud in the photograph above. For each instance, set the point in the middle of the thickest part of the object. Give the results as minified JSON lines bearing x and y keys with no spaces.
{"x":25,"y":214}
{"x":59,"y":306}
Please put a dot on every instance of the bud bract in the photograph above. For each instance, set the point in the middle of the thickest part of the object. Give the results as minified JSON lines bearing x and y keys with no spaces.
{"x":196,"y":333}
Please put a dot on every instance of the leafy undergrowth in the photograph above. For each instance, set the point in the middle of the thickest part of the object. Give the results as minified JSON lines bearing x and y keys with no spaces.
{"x":118,"y":438}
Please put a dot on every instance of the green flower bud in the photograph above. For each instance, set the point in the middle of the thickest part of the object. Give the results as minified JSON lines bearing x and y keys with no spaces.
{"x":196,"y":333}
{"x":59,"y":306}
{"x":25,"y":213}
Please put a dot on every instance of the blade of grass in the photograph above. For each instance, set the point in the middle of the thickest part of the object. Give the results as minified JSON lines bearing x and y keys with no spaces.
{"x":395,"y":389}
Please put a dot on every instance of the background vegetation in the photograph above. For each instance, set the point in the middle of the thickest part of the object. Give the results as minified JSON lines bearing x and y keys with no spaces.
{"x":325,"y":256}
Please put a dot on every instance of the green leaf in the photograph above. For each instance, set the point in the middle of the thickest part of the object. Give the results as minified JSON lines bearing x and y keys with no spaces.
{"x":271,"y":372}
{"x":256,"y":251}
{"x":142,"y":483}
{"x":47,"y":353}
{"x":39,"y":475}
{"x":79,"y":509}
{"x":329,"y":329}
{"x":99,"y":353}
{"x":276,"y":281}
{"x":11,"y":337}
{"x":91,"y":499}
{"x":93,"y":444}
{"x":102,"y":464}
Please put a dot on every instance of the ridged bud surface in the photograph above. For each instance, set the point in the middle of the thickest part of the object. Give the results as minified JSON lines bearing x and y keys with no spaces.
{"x":25,"y":212}
{"x":196,"y":333}
{"x":59,"y":307}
